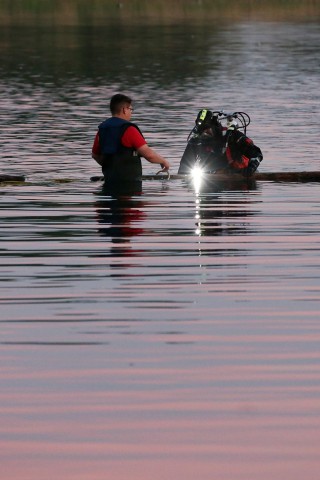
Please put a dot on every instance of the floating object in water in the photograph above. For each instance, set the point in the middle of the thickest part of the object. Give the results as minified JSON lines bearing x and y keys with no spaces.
{"x":11,"y":178}
{"x":298,"y":177}
{"x":286,"y":177}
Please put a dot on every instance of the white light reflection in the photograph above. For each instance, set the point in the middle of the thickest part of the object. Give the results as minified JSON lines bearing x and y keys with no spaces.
{"x":197,"y":175}
{"x":197,"y":216}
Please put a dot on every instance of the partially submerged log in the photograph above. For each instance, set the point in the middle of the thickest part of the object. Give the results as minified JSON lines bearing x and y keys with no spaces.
{"x":288,"y":176}
{"x":11,"y":178}
{"x":299,"y":177}
{"x":261,"y":176}
{"x":220,"y":177}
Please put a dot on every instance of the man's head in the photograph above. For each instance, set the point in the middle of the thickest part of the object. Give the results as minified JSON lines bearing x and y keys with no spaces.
{"x":120,"y":105}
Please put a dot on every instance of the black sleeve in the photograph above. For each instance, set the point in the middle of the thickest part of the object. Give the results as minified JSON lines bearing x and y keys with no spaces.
{"x":247,"y":147}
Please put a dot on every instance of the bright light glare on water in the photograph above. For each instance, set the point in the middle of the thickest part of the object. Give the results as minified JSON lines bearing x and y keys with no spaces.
{"x":197,"y":177}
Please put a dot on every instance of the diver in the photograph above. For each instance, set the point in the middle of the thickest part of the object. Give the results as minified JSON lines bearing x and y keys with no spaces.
{"x":216,"y":145}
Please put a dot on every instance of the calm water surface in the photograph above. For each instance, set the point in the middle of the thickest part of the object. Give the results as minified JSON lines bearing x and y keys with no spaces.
{"x":171,"y":332}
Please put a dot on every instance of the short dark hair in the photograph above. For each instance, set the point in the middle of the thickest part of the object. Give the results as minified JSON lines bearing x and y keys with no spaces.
{"x":118,"y":101}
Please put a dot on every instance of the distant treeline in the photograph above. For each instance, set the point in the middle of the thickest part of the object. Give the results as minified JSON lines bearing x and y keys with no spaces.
{"x":84,"y":12}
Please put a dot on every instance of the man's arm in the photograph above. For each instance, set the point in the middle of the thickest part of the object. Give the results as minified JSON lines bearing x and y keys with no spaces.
{"x":133,"y":138}
{"x":152,"y":156}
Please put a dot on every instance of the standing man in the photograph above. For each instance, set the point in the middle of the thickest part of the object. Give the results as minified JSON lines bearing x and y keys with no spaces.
{"x":119,"y":144}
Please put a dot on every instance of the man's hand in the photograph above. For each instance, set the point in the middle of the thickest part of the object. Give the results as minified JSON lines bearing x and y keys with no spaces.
{"x":153,"y":157}
{"x":165,"y":166}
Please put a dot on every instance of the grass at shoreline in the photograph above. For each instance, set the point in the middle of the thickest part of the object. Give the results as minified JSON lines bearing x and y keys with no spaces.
{"x":98,"y":12}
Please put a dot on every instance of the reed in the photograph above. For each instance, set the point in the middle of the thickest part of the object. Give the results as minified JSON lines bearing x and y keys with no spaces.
{"x":82,"y":12}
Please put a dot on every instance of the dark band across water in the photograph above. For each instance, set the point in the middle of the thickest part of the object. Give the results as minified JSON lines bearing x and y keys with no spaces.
{"x":214,"y":177}
{"x":220,"y":177}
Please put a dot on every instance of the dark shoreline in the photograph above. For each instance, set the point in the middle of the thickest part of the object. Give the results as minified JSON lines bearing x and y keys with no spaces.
{"x":99,"y":12}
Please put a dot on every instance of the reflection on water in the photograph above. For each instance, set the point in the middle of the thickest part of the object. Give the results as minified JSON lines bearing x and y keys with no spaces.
{"x":169,"y":330}
{"x":120,"y":212}
{"x":160,"y":328}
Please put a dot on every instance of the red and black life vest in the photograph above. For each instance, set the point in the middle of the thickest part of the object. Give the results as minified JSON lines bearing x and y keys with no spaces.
{"x":119,"y":163}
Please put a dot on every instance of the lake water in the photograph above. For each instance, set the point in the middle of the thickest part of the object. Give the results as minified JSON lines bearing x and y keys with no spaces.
{"x":173,"y":333}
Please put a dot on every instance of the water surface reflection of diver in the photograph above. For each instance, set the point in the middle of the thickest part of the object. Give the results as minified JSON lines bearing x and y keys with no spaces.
{"x":218,"y":214}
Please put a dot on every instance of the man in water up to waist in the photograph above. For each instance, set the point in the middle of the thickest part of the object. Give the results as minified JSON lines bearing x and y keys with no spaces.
{"x":119,"y":144}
